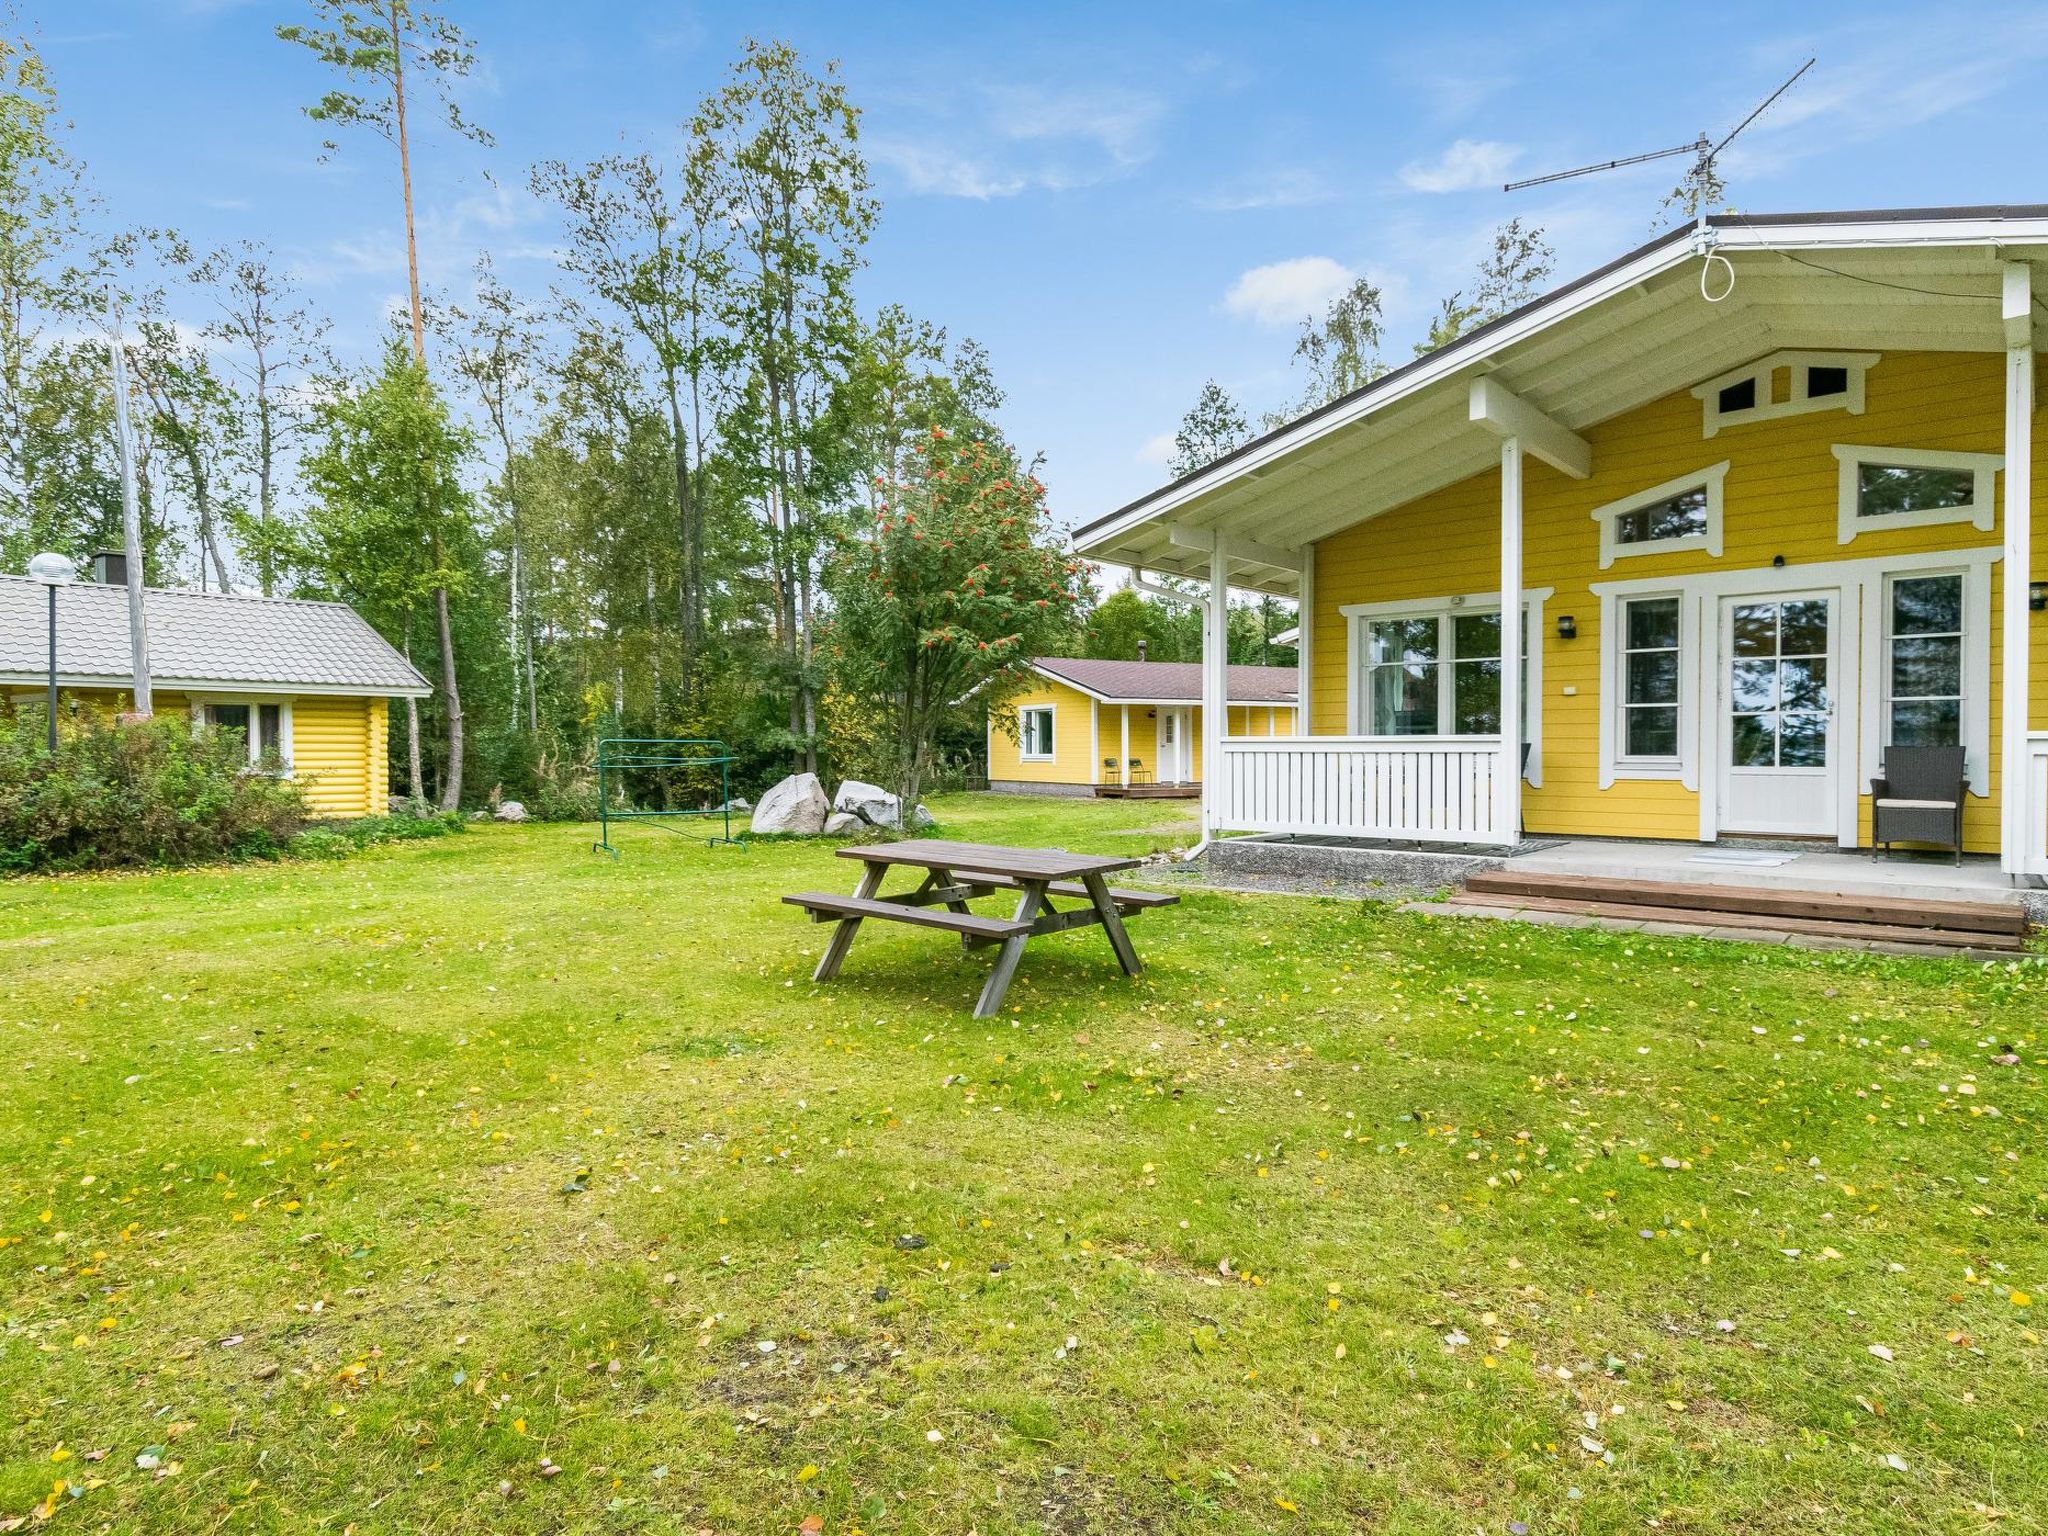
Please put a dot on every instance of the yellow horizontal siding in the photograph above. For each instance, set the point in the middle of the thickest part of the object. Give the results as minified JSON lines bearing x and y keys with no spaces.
{"x":331,"y":754}
{"x":1069,"y":763}
{"x":1780,"y":498}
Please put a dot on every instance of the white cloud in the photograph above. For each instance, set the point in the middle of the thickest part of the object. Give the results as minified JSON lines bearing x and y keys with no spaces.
{"x":1467,"y":165}
{"x":1004,"y":140}
{"x":1283,"y":292}
{"x":933,"y":170}
{"x":1156,"y":451}
{"x":1295,"y":187}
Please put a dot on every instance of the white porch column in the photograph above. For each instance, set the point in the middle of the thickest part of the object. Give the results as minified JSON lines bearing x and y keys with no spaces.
{"x":1123,"y":747}
{"x":1509,"y":800}
{"x":1304,"y":641}
{"x":2016,"y":833}
{"x":1215,"y":689}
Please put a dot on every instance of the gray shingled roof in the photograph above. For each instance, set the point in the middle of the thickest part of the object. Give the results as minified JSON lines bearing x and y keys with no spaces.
{"x":205,"y":640}
{"x":1170,"y":681}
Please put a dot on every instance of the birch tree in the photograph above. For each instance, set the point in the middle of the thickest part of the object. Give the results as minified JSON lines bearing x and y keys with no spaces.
{"x":370,"y":46}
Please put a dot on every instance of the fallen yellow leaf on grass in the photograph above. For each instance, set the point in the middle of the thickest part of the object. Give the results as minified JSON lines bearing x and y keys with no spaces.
{"x":808,"y":1473}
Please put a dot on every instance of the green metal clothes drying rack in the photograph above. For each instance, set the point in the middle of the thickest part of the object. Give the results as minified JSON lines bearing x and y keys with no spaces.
{"x":618,"y":756}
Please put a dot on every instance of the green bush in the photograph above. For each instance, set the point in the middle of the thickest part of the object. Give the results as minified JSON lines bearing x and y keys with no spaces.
{"x":338,"y":839}
{"x":143,"y":793}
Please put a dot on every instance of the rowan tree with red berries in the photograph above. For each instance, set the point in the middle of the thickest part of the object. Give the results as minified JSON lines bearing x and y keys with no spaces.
{"x":957,"y":583}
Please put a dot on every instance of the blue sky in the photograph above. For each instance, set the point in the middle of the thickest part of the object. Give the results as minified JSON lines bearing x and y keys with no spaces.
{"x":1119,"y":201}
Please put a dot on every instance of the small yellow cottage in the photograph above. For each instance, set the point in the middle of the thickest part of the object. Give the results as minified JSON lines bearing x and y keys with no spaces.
{"x":1118,"y":727}
{"x":308,"y":681}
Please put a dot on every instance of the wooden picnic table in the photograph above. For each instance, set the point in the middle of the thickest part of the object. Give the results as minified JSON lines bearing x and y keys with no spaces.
{"x":957,"y":873}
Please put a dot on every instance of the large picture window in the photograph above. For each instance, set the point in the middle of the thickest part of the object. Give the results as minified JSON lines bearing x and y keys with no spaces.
{"x":1034,"y":732}
{"x":1435,"y":674}
{"x":1924,"y":662}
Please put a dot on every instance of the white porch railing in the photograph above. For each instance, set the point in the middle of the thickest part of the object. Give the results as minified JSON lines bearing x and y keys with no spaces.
{"x":2034,"y":816}
{"x":1441,"y":789}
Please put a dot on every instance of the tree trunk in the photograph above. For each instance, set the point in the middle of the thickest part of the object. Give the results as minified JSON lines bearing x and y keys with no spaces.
{"x":412,"y":247}
{"x":451,"y":787}
{"x":266,"y":450}
{"x":686,"y":513}
{"x":412,"y":729}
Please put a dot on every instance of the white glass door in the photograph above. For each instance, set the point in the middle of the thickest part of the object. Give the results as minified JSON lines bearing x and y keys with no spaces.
{"x":1777,"y":697}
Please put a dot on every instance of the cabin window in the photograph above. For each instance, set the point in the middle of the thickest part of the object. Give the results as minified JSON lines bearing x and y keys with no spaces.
{"x":1435,"y":675}
{"x":1913,"y":488}
{"x":1784,"y":384}
{"x":263,"y":726}
{"x":1680,"y":514}
{"x":1650,"y":672}
{"x":1924,"y":662}
{"x":1822,"y":382}
{"x":1034,"y":732}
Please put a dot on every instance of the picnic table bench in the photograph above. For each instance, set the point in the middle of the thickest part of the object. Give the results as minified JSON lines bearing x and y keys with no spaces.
{"x":957,"y":873}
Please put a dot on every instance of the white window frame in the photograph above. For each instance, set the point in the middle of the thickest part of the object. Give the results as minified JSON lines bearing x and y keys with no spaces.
{"x":1024,"y":752}
{"x":1863,"y":584}
{"x":1972,"y":711}
{"x":1614,"y":691}
{"x":1358,"y":706}
{"x":199,"y":703}
{"x":1980,"y":511}
{"x":1797,"y":402}
{"x":1709,"y":539}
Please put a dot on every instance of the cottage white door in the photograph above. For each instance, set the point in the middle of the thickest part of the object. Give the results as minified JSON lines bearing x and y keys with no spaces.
{"x":1780,"y":751}
{"x":1175,"y":752}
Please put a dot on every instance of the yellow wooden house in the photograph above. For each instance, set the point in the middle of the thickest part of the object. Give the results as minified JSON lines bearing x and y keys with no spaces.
{"x":308,"y":684}
{"x":1084,"y":726}
{"x":1765,"y":495}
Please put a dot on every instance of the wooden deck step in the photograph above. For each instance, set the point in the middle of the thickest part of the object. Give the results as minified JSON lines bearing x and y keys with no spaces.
{"x":826,"y":905}
{"x":2006,"y":919}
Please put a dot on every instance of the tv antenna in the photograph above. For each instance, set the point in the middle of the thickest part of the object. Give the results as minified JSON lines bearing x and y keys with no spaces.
{"x":1700,"y":178}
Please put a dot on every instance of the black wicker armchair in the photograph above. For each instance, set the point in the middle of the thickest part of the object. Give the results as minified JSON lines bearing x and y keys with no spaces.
{"x":1919,"y":799}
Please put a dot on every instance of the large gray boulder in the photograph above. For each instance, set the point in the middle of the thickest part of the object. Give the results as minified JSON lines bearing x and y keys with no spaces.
{"x":870,"y":802}
{"x":843,"y":824}
{"x":797,"y":804}
{"x":510,"y":810}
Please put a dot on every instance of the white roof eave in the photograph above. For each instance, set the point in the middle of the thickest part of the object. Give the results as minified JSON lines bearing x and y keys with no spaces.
{"x":2009,"y":236}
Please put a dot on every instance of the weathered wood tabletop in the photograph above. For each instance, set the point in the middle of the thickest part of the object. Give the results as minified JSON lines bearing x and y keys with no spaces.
{"x":956,"y":873}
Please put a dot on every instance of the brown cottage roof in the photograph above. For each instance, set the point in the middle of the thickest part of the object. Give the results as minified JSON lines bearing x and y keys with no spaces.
{"x":1170,"y":681}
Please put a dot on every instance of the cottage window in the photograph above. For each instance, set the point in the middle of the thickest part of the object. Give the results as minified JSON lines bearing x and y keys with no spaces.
{"x":1924,"y":670}
{"x":1913,"y":488}
{"x":1034,"y":732}
{"x":1650,"y":680}
{"x":1435,"y":675}
{"x":1684,"y":513}
{"x":263,"y":726}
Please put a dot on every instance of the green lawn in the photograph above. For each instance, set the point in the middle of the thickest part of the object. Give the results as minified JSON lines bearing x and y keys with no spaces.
{"x":485,"y":1185}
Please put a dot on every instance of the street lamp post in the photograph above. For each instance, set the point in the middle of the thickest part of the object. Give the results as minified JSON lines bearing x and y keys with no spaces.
{"x":53,"y":571}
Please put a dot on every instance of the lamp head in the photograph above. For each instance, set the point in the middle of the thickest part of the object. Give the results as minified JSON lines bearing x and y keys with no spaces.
{"x":51,"y":569}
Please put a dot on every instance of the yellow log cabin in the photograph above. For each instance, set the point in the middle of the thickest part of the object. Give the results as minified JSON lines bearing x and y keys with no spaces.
{"x":1082,"y":726}
{"x":1767,"y":493}
{"x":309,"y":684}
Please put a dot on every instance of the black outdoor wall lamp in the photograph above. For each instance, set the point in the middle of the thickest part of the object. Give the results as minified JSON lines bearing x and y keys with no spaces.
{"x":1567,"y":627}
{"x":2037,"y":596}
